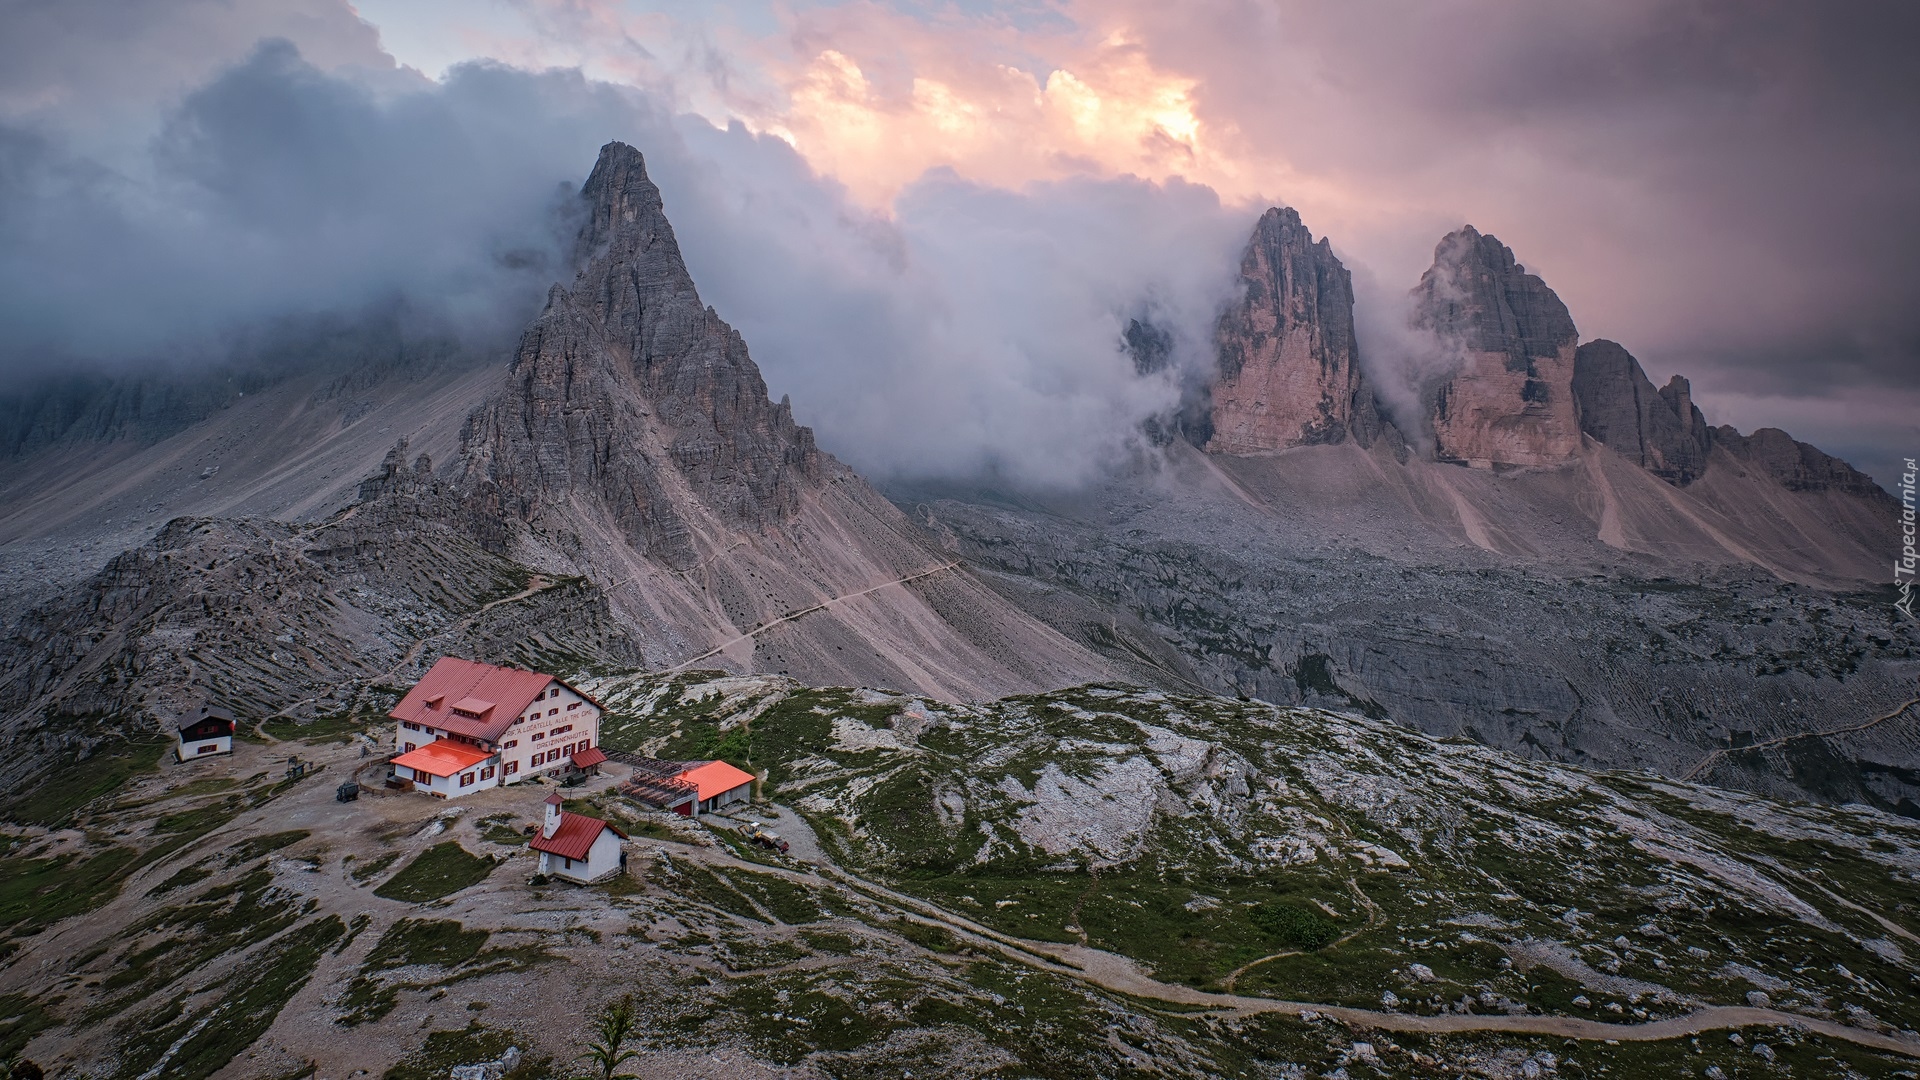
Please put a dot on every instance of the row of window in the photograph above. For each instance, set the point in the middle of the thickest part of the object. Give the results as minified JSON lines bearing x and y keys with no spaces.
{"x":561,"y":754}
{"x":535,"y":714}
{"x":466,"y":779}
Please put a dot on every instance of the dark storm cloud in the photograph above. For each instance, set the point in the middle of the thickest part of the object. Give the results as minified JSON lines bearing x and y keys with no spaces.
{"x":1724,"y":187}
{"x":278,"y":189}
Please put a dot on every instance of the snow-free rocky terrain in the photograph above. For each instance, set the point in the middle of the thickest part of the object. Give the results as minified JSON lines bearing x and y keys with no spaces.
{"x":1102,"y":881}
{"x":1636,"y":590}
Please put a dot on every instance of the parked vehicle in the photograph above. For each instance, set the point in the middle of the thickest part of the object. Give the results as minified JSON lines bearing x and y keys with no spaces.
{"x":766,"y":838}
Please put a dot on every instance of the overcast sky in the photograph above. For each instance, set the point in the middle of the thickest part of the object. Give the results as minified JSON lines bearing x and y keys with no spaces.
{"x":1724,"y":188}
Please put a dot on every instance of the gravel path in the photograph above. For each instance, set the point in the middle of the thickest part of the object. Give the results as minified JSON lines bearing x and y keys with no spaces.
{"x":1118,"y":974}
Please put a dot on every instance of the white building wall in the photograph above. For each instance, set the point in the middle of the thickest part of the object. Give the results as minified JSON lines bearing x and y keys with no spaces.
{"x":187,"y":751}
{"x":603,"y":859}
{"x":730,"y":796}
{"x":545,"y":729}
{"x":450,"y":786}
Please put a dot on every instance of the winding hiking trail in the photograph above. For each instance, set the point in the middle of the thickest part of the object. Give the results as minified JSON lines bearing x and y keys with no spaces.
{"x":1120,"y":975}
{"x":804,"y":612}
{"x":536,"y":584}
{"x":1782,"y":740}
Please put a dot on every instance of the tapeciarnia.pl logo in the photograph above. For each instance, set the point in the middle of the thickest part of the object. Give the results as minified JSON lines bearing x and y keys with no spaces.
{"x":1904,"y":566}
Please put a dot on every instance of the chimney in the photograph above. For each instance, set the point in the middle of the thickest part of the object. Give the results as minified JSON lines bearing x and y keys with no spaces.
{"x":553,"y":816}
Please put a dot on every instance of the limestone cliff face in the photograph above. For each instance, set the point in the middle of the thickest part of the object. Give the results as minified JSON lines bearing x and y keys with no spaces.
{"x":1661,"y":429}
{"x":1798,"y":466}
{"x":629,"y":390}
{"x":634,"y":439}
{"x":1288,"y":372}
{"x":1511,"y":401}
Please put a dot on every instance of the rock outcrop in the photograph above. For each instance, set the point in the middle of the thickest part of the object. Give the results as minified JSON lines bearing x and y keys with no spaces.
{"x":1662,"y":430}
{"x":630,"y":391}
{"x":1797,"y":466}
{"x":1288,"y":369}
{"x":1511,"y":400}
{"x":633,"y":442}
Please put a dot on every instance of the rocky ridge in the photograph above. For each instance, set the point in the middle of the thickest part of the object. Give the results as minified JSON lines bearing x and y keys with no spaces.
{"x":634,"y":442}
{"x":1799,"y":466}
{"x":278,"y":620}
{"x":1661,"y":430}
{"x":1594,"y":615}
{"x":628,"y":393}
{"x":628,"y":462}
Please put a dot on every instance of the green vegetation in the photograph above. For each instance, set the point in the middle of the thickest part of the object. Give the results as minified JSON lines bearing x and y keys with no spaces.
{"x":61,"y":791}
{"x":326,"y":730}
{"x":35,"y":893}
{"x":21,"y":1018}
{"x":441,"y":870}
{"x":500,"y":829}
{"x":1294,"y":925}
{"x":445,"y":1049}
{"x":425,"y":941}
{"x":1268,"y":832}
{"x":613,"y":1026}
{"x":437,"y":942}
{"x":196,"y":1045}
{"x":253,"y":847}
{"x":937,"y":938}
{"x":373,"y":867}
{"x":223,"y":919}
{"x":181,"y":878}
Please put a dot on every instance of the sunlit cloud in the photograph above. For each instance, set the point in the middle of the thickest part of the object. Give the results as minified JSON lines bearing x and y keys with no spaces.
{"x":1104,"y":111}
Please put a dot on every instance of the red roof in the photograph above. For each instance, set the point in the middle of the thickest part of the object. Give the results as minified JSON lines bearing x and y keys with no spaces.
{"x":589,"y":757}
{"x":716,"y":778}
{"x":574,"y":837}
{"x":497,"y":695}
{"x":442,"y":757}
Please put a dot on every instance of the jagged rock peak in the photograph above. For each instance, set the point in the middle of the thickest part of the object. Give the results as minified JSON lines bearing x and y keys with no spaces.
{"x":1478,"y":291}
{"x":628,"y":390}
{"x":1510,"y":402}
{"x":1661,"y":429}
{"x":626,"y":217}
{"x":1289,"y":372}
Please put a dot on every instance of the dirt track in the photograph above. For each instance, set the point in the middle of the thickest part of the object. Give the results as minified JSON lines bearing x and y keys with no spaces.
{"x":1121,"y":975}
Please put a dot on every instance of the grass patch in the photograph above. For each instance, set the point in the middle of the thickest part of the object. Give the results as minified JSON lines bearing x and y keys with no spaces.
{"x":503,"y":829}
{"x":934,"y":938}
{"x":425,"y":941}
{"x":183,"y":877}
{"x":441,"y":870}
{"x":372,"y":868}
{"x":790,"y":903}
{"x":197,"y":1045}
{"x":1295,"y":925}
{"x":221,"y":920}
{"x":35,"y":893}
{"x":439,"y":942}
{"x":827,"y":942}
{"x":65,"y":788}
{"x":21,"y":1018}
{"x":252,"y":848}
{"x":337,"y":728}
{"x":474,"y":1043}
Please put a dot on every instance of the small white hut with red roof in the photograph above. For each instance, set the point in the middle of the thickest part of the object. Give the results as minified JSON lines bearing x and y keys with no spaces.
{"x":469,"y":726}
{"x":577,"y":847}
